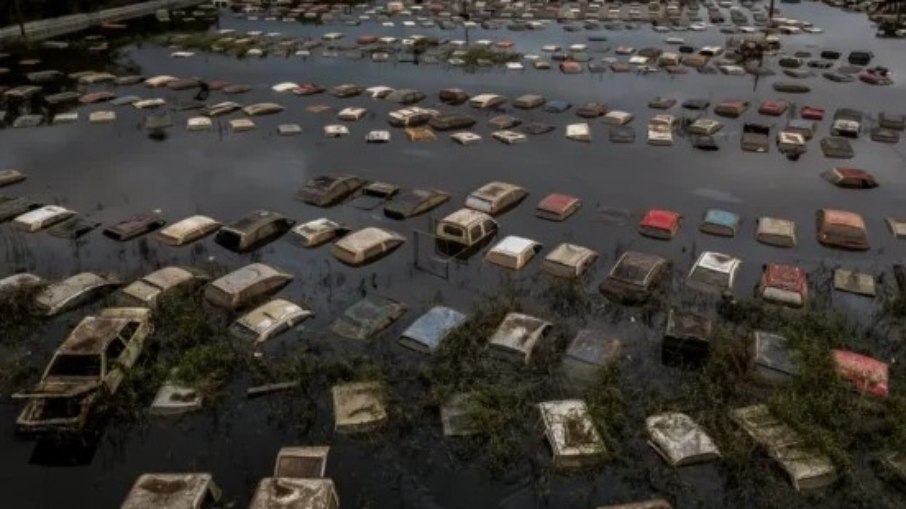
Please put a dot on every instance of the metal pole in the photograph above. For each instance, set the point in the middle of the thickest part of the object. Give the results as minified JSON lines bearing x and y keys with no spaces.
{"x":18,"y":5}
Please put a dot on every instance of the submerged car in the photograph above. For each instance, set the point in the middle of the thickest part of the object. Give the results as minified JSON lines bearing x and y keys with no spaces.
{"x":557,"y":207}
{"x":170,"y":490}
{"x":244,"y":285}
{"x":453,"y":96}
{"x":9,"y":177}
{"x":410,"y":203}
{"x":256,"y":229}
{"x":755,"y":137}
{"x":135,"y":226}
{"x":92,"y":359}
{"x":328,"y":190}
{"x":188,"y":230}
{"x":44,"y":217}
{"x":317,"y":232}
{"x":451,"y":122}
{"x":161,"y":283}
{"x":713,"y":273}
{"x":73,"y":228}
{"x":783,"y":284}
{"x":495,"y":198}
{"x":635,"y":277}
{"x":847,"y":122}
{"x":374,"y":195}
{"x":72,"y":292}
{"x":428,"y":332}
{"x":569,"y":261}
{"x":366,"y":245}
{"x":660,"y":224}
{"x":487,"y":101}
{"x":841,"y":229}
{"x":513,"y":252}
{"x":367,"y":317}
{"x":269,"y":320}
{"x":850,"y":178}
{"x":464,"y":232}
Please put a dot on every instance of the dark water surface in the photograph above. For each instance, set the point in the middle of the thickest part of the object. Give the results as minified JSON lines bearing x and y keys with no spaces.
{"x":112,"y":171}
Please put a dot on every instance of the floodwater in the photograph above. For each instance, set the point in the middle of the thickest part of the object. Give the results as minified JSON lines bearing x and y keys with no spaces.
{"x":113,"y":171}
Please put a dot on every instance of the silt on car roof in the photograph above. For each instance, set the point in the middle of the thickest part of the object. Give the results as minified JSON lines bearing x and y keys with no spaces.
{"x":245,"y":284}
{"x":295,"y":493}
{"x":679,"y":440}
{"x":771,"y":360}
{"x":172,"y":491}
{"x":188,"y":230}
{"x":517,"y":336}
{"x":806,"y":467}
{"x":366,"y":245}
{"x":687,"y":339}
{"x":358,"y":407}
{"x":634,"y":277}
{"x":569,"y":261}
{"x":367,"y":317}
{"x":588,"y":352}
{"x":268,"y":320}
{"x":301,"y":462}
{"x":571,"y":433}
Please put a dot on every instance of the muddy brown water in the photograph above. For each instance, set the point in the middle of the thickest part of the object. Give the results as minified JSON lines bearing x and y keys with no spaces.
{"x":113,"y":171}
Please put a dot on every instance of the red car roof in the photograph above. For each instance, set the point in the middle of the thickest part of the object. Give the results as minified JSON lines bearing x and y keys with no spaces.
{"x":773,"y":106}
{"x":785,"y":277}
{"x":852,"y":173}
{"x":811,"y":113}
{"x":661,"y":219}
{"x":557,"y":203}
{"x":867,"y":374}
{"x":843,"y":218}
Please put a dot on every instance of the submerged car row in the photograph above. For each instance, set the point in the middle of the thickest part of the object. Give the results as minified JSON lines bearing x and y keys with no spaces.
{"x":95,"y":355}
{"x":459,"y":234}
{"x":420,"y":123}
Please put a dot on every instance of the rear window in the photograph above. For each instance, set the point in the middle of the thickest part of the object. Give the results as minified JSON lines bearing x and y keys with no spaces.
{"x":173,"y":238}
{"x":480,"y":204}
{"x":76,"y":365}
{"x":344,"y":253}
{"x":629,"y":273}
{"x":709,"y":277}
{"x":242,"y":332}
{"x":128,"y":331}
{"x":453,"y":231}
{"x":229,"y":239}
{"x":845,"y":233}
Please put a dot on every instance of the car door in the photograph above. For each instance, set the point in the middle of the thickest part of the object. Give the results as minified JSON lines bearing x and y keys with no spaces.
{"x":116,"y":360}
{"x":131,"y":336}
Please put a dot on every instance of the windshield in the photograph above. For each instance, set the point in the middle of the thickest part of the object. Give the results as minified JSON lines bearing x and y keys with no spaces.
{"x":75,"y":365}
{"x":345,"y":254}
{"x":453,"y":231}
{"x":242,"y":332}
{"x":710,"y":277}
{"x":480,"y":204}
{"x":631,"y":273}
{"x":846,"y":233}
{"x":229,"y":239}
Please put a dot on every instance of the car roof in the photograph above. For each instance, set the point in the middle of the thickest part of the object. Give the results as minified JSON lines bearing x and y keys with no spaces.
{"x":92,"y":335}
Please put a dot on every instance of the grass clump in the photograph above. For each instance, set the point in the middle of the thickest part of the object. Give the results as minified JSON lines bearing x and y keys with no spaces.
{"x":608,"y":408}
{"x":207,"y":368}
{"x":479,"y":54}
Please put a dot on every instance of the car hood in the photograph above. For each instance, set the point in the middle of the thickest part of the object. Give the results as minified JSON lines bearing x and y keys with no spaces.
{"x":59,"y":389}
